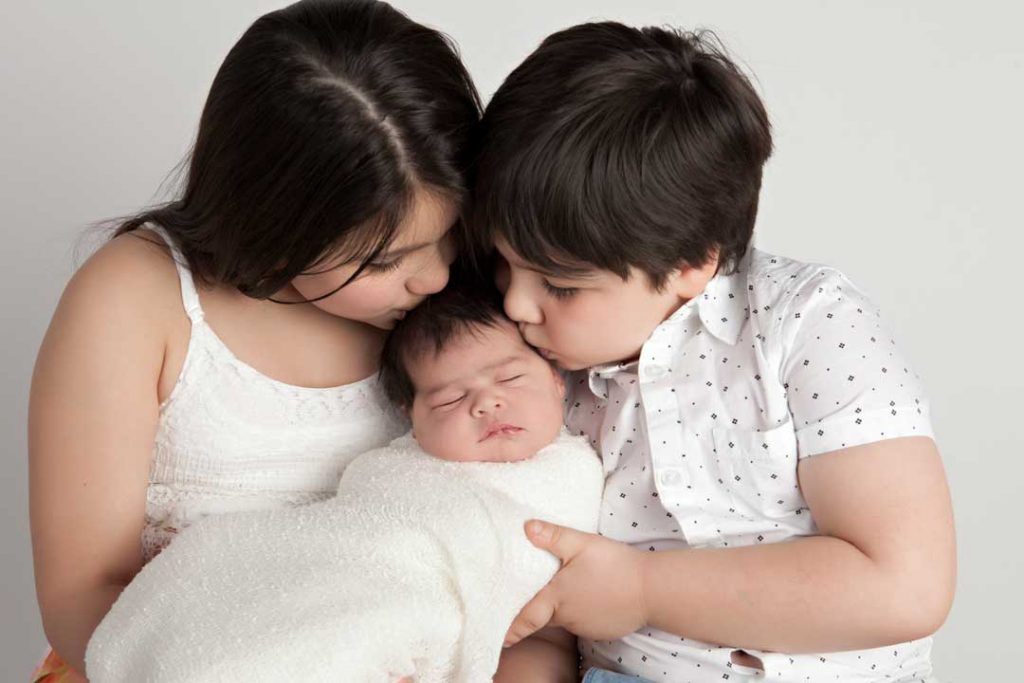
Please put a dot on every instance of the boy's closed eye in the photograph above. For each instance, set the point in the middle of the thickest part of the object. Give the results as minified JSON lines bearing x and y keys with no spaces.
{"x":559,"y":292}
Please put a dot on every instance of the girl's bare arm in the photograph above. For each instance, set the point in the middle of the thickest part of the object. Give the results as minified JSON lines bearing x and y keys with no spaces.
{"x":92,"y":418}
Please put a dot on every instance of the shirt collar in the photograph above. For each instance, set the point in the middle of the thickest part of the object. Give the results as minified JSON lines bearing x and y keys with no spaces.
{"x":723,"y":305}
{"x":722,"y":308}
{"x":599,"y":375}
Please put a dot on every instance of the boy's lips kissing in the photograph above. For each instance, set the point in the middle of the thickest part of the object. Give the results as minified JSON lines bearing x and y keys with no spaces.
{"x":500,"y":429}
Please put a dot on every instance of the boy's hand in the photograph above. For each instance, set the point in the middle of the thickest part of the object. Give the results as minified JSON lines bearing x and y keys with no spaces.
{"x":597,"y":594}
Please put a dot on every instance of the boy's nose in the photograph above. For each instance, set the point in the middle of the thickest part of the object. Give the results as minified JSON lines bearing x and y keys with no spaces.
{"x":520,"y":307}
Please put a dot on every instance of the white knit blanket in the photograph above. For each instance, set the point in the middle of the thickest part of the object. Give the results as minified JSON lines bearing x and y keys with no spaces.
{"x":416,"y":568}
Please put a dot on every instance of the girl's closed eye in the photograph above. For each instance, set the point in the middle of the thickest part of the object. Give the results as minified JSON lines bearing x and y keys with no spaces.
{"x":384,"y":267}
{"x":510,"y":379}
{"x":559,"y":292}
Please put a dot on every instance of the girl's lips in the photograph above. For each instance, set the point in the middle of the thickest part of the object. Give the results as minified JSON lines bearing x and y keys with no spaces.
{"x":501,"y":429}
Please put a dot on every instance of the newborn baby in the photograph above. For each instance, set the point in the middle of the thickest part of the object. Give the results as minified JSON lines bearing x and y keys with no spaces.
{"x":420,"y":563}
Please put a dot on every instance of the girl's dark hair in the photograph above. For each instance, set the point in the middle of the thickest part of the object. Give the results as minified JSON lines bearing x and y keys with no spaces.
{"x":468,"y":303}
{"x":324,"y":119}
{"x":612,"y":147}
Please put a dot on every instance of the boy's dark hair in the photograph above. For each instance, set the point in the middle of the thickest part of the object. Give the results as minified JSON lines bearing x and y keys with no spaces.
{"x":612,"y":147}
{"x":458,"y":309}
{"x":321,"y":124}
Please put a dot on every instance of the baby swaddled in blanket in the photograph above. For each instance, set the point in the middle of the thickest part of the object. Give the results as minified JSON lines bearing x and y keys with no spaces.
{"x":418,"y":566}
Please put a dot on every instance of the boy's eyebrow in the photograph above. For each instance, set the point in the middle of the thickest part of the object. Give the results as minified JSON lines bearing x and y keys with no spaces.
{"x":427,"y":393}
{"x":582,"y":274}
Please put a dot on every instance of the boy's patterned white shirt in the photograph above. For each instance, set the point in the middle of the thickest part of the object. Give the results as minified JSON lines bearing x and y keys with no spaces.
{"x":700,"y":440}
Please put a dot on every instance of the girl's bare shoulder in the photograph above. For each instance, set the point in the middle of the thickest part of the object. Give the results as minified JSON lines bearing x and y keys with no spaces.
{"x":133,"y":273}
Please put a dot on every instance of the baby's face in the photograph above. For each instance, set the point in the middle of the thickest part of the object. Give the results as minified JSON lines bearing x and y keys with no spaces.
{"x":486,"y":397}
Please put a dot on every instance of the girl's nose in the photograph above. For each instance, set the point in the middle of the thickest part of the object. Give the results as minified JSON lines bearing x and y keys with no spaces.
{"x":431,"y":278}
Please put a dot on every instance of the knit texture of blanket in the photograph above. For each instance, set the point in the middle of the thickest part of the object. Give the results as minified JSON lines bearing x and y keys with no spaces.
{"x":416,"y":568}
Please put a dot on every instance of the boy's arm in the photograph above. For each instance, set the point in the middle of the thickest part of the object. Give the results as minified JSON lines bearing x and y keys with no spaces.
{"x":882,"y":571}
{"x":548,"y":656}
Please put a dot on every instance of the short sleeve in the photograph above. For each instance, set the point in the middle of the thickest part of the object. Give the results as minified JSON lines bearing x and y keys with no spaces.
{"x":846,"y":382}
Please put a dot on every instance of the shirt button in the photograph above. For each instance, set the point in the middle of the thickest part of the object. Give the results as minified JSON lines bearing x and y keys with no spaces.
{"x":671,"y":478}
{"x":654,"y":371}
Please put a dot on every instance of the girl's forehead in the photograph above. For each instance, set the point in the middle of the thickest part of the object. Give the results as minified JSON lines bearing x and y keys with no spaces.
{"x":428,"y":220}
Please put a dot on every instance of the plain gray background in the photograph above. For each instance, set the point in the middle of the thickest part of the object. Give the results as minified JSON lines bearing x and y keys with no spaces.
{"x":898,"y":159}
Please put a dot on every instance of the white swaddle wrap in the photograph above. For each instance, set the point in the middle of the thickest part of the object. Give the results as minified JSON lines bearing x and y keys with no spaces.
{"x":417,"y":567}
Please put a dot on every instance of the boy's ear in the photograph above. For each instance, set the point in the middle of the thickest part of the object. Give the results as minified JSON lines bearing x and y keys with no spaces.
{"x":690,"y":281}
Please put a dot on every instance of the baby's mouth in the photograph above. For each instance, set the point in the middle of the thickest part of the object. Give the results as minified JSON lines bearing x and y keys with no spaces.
{"x":501,"y":429}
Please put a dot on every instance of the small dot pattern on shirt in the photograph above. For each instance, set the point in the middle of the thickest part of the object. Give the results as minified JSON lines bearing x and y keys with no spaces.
{"x":701,"y":437}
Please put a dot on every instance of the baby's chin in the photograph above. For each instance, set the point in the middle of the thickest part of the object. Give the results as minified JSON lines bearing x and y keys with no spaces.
{"x":507,"y":450}
{"x":497,"y":449}
{"x":520,"y":447}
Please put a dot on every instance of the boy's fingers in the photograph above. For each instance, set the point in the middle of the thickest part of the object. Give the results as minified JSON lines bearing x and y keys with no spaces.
{"x":560,"y":541}
{"x":532,"y":618}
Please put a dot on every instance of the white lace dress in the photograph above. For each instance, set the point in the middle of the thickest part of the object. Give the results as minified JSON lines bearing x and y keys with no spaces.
{"x":231,"y":439}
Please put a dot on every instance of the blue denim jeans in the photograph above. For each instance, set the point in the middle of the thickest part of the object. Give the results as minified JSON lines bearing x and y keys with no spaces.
{"x":605,"y":676}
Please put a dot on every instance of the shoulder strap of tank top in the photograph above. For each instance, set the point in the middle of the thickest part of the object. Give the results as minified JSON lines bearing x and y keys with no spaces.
{"x":189,"y":295}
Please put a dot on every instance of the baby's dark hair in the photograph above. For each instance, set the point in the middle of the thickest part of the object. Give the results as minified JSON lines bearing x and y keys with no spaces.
{"x":458,"y":309}
{"x":616,"y":147}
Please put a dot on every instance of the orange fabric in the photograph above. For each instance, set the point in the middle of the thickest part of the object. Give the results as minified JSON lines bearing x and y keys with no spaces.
{"x":53,"y":669}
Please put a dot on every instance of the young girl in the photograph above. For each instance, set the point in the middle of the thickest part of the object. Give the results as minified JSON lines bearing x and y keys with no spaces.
{"x":220,"y":353}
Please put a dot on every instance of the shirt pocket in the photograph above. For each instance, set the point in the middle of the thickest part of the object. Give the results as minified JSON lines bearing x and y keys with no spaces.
{"x":761,"y":466}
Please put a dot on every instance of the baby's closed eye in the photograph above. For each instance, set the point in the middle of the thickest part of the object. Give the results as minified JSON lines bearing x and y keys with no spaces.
{"x":449,"y":402}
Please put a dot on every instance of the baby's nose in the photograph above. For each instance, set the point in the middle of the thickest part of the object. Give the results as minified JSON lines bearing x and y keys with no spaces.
{"x":487,"y":405}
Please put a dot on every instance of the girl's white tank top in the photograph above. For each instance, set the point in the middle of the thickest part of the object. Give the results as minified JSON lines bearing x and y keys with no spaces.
{"x":231,"y":439}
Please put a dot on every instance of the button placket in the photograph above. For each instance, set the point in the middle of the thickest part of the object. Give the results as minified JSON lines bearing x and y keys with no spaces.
{"x":674,"y":473}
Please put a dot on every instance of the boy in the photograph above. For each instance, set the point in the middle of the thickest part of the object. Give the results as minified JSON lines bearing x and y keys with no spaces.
{"x":772,"y":487}
{"x":419,"y":564}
